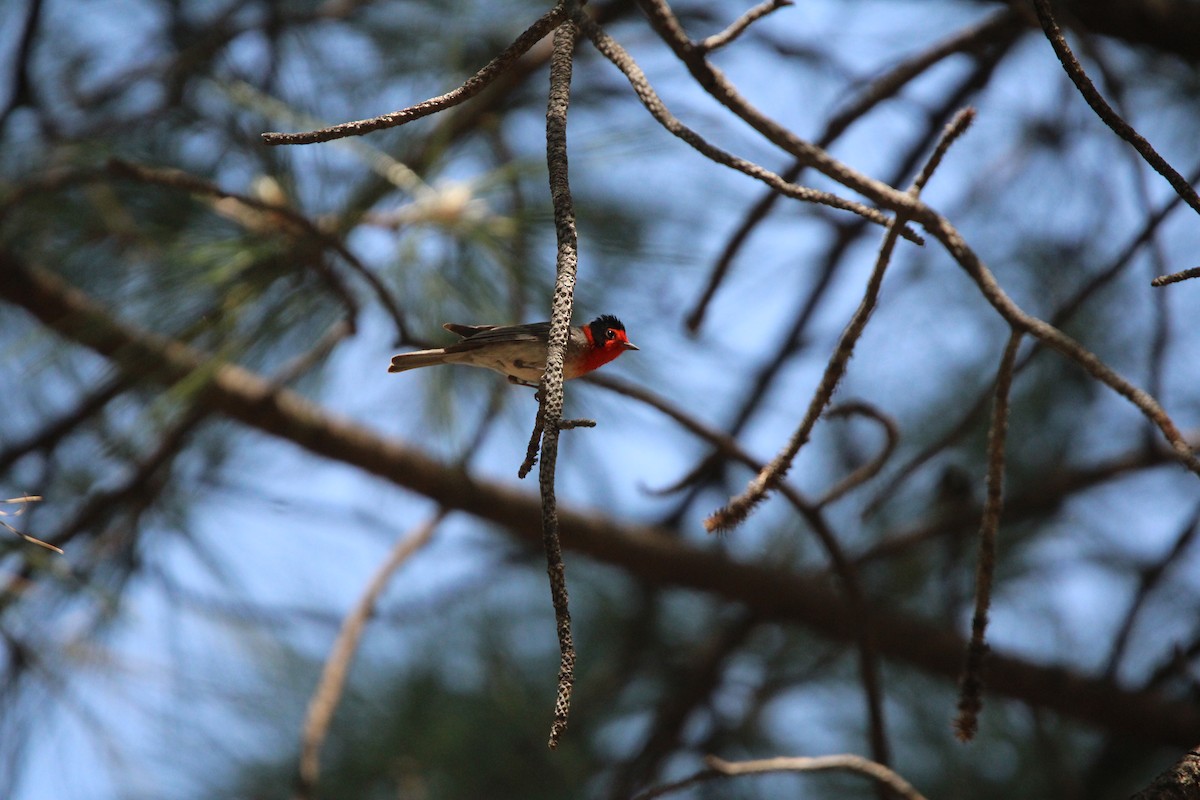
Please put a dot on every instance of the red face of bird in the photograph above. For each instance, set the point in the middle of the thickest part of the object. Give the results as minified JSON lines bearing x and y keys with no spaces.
{"x":607,"y":333}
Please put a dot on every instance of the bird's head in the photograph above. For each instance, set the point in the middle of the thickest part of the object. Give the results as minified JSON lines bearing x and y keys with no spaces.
{"x":608,"y":334}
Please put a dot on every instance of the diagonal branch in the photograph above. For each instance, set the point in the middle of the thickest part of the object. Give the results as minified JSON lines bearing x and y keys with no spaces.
{"x":328,"y":693}
{"x":992,"y":36}
{"x":621,"y":59}
{"x":1106,"y":112}
{"x":648,"y":553}
{"x":473,"y":86}
{"x":739,"y":25}
{"x":735,"y":512}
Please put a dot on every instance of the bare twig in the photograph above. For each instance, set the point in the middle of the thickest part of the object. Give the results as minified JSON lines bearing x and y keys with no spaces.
{"x":1051,"y":336}
{"x":1103,"y":277}
{"x":739,"y":25}
{"x":1176,"y":277}
{"x":1148,"y":580}
{"x":733,"y":513}
{"x":551,"y":389}
{"x":719,"y":87}
{"x":1001,"y":27}
{"x":870,"y":469}
{"x":713,"y":81}
{"x":328,"y":693}
{"x":970,"y":698}
{"x":719,"y":768}
{"x":20,"y":502}
{"x":1106,"y":113}
{"x":535,"y":441}
{"x":50,"y":435}
{"x":473,"y":86}
{"x":621,"y":59}
{"x":736,"y":510}
{"x":178,"y":179}
{"x":842,"y":566}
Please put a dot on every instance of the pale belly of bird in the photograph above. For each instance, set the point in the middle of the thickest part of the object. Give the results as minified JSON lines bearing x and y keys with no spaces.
{"x":525,"y":361}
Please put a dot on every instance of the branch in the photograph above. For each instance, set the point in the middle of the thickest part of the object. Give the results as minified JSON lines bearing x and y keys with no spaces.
{"x":735,"y":512}
{"x":739,"y":25}
{"x":1106,"y":113}
{"x":649,"y":553}
{"x":1002,"y":27}
{"x":621,"y":59}
{"x":970,"y":698}
{"x":1180,"y":782}
{"x":473,"y":86}
{"x":719,"y":768}
{"x":328,"y":693}
{"x":870,"y":469}
{"x":1176,"y":277}
{"x":550,"y":392}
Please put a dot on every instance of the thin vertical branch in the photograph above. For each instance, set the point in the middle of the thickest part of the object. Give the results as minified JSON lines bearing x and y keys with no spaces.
{"x":970,"y":697}
{"x":551,"y":391}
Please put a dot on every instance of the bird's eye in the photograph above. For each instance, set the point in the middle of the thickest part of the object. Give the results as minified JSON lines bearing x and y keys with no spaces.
{"x":610,"y":334}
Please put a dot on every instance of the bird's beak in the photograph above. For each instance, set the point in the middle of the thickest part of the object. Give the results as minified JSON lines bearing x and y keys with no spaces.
{"x":631,"y":346}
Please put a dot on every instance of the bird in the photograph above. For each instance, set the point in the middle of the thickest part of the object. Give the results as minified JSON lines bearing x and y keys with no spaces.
{"x":519,"y":351}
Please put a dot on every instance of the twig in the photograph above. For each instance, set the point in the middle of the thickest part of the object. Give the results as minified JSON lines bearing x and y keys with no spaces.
{"x":551,"y":389}
{"x":178,"y":179}
{"x":869,"y":470}
{"x":21,"y":90}
{"x":53,"y":432}
{"x":535,"y":440}
{"x":842,"y":566}
{"x":1062,"y":315}
{"x":1106,"y":113}
{"x":1176,"y":277}
{"x":847,"y":762}
{"x":1003,"y":26}
{"x":473,"y":86}
{"x":739,"y":25}
{"x":713,"y":81}
{"x":21,"y":501}
{"x":1148,"y":580}
{"x":970,"y":697}
{"x":1049,"y":335}
{"x":736,"y":510}
{"x":733,"y":513}
{"x":328,"y":692}
{"x":719,"y":768}
{"x":621,"y":59}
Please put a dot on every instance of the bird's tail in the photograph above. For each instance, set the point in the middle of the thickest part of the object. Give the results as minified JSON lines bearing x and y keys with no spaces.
{"x":419,"y":358}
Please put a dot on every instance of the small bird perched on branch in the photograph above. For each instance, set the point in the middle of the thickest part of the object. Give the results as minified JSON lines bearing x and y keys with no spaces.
{"x":519,"y":351}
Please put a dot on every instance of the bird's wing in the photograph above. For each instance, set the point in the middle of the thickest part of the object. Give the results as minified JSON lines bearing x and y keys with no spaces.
{"x":490,"y":334}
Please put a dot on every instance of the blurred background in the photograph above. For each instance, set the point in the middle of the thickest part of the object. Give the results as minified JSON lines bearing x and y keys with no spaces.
{"x":173,"y":648}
